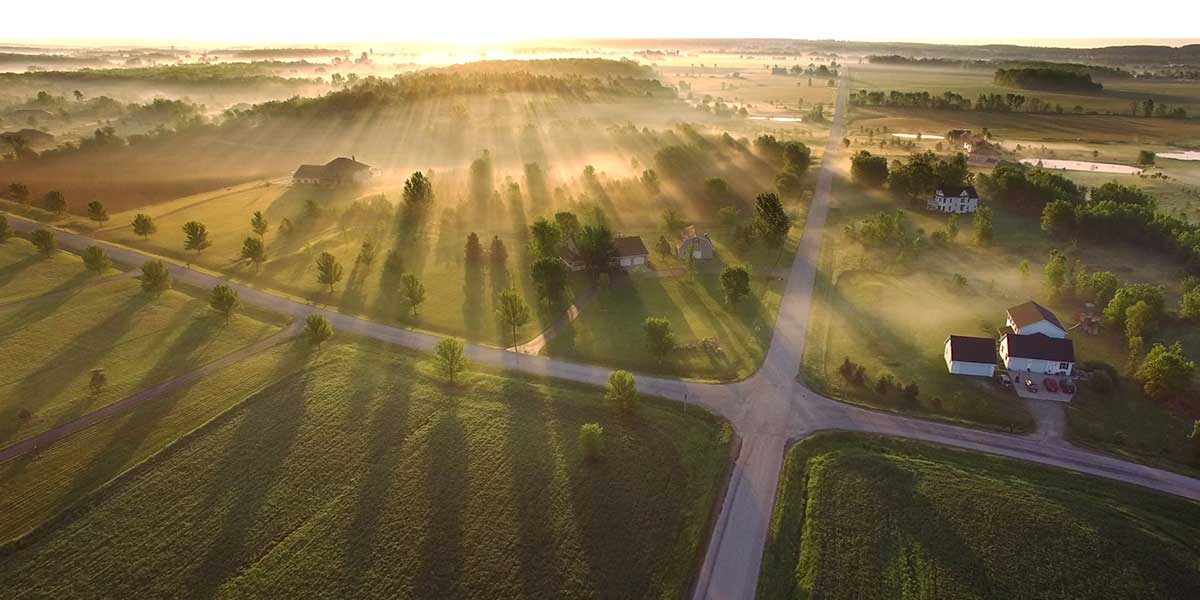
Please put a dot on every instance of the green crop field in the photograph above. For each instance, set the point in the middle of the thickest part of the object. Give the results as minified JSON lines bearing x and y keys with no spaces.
{"x":862,"y":516}
{"x":40,"y":485}
{"x":48,"y":348}
{"x":364,"y":475}
{"x":25,"y":272}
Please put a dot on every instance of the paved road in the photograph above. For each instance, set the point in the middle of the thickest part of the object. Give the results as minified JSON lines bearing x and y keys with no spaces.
{"x":767,"y":410}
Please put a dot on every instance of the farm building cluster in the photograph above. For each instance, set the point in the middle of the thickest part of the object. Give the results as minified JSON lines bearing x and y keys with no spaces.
{"x":1033,"y":343}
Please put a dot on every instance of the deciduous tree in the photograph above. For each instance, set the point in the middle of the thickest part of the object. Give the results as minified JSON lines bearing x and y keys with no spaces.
{"x":258,"y":223}
{"x":254,"y":251}
{"x":195,"y":236}
{"x":735,"y":280}
{"x":156,"y":278}
{"x":550,"y":275}
{"x":5,"y":230}
{"x":498,"y":254}
{"x":413,"y":291}
{"x":1166,"y":372}
{"x":317,"y":329}
{"x":97,"y":212}
{"x":54,"y":202}
{"x":224,"y":300}
{"x":513,"y":311}
{"x":659,"y":338}
{"x":96,"y":260}
{"x":473,"y":251}
{"x":451,"y":359}
{"x":771,"y":223}
{"x":329,"y":270}
{"x":143,"y":225}
{"x":621,"y":392}
{"x":43,"y":240}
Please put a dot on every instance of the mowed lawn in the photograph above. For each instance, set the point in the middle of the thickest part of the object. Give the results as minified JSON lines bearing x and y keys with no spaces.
{"x":25,"y":272}
{"x":609,"y":330}
{"x":48,"y":348}
{"x":366,"y":476}
{"x":870,"y":517}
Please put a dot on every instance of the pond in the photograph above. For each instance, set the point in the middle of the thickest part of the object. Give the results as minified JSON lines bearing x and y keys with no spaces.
{"x":1082,"y":165}
{"x":1187,"y":155}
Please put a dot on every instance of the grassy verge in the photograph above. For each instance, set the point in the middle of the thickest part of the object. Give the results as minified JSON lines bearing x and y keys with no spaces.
{"x":25,"y":272}
{"x":50,"y":346}
{"x":865,"y":516}
{"x":364,"y":475}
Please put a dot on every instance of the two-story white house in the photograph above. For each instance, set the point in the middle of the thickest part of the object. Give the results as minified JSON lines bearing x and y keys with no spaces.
{"x":950,"y":199}
{"x":1031,"y":317}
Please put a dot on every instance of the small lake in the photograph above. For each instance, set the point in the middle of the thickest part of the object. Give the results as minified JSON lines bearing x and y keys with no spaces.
{"x":1188,"y":155}
{"x":778,"y":119}
{"x":918,"y":136}
{"x":1082,"y":165}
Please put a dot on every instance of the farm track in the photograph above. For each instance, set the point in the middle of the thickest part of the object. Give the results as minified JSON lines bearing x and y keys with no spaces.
{"x":768,"y":410}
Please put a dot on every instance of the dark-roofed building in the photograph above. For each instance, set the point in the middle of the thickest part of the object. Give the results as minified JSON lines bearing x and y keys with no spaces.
{"x":1031,"y":317}
{"x":954,"y":199}
{"x":31,"y":137}
{"x":699,"y":246}
{"x":966,"y":355}
{"x":630,"y":251}
{"x":335,"y":173}
{"x":1037,"y":353}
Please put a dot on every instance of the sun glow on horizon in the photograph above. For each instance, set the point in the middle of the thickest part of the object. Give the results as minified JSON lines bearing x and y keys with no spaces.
{"x":474,"y":24}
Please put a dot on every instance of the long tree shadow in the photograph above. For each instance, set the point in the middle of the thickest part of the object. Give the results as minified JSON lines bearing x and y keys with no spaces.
{"x":442,"y":560}
{"x":389,"y":429}
{"x":38,"y":391}
{"x":252,"y":465}
{"x":531,"y":454}
{"x":32,"y":310}
{"x":472,"y":308}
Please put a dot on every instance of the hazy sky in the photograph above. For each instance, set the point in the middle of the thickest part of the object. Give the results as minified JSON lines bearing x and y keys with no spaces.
{"x":471,"y":21}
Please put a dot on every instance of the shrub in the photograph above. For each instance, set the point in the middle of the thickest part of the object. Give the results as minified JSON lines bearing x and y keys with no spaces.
{"x":885,"y":384}
{"x":591,"y":440}
{"x":621,"y":391}
{"x":317,"y":329}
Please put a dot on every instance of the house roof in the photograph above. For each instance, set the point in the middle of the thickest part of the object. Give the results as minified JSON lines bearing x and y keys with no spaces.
{"x":972,"y":349}
{"x":1041,"y":347}
{"x":309,"y":172}
{"x":343,"y":166}
{"x":629,"y":246}
{"x":688,"y":232}
{"x":954,"y":190}
{"x":1031,"y":312}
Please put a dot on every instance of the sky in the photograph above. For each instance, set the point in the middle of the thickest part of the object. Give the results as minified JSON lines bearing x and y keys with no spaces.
{"x":482,"y":22}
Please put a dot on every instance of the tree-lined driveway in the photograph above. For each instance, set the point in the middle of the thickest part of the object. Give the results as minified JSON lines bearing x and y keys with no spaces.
{"x":767,"y":410}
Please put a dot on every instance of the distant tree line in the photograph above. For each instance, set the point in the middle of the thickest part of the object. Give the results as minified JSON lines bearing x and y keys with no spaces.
{"x":1034,"y":78}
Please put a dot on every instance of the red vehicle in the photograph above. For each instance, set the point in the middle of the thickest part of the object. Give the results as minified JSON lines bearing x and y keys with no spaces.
{"x":1030,"y":385}
{"x":1051,"y":384}
{"x":1067,"y":386}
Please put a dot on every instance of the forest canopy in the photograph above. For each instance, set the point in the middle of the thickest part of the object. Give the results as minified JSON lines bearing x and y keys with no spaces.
{"x":1046,"y":79}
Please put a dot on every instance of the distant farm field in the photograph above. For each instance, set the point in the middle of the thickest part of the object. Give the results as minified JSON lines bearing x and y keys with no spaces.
{"x":860,"y":516}
{"x":366,"y":476}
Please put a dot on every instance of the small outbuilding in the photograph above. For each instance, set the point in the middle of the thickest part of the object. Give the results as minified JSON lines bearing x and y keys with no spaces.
{"x":966,"y":355}
{"x":699,"y":246}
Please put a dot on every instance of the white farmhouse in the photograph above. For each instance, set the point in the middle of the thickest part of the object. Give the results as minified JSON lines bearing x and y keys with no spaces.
{"x":1037,"y":353}
{"x":1031,"y":317}
{"x":966,"y":355}
{"x":949,"y":199}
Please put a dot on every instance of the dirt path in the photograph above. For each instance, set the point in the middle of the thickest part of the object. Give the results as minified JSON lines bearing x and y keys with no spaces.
{"x":120,"y":407}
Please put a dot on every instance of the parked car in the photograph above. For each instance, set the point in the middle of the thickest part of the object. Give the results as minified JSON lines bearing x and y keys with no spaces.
{"x":1068,"y":387}
{"x":1051,"y":384}
{"x":1030,"y":385}
{"x":1004,"y":380}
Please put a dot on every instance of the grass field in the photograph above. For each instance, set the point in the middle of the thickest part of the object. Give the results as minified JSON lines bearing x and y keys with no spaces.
{"x":25,"y":272}
{"x":48,"y":348}
{"x":860,"y":516}
{"x":365,"y":475}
